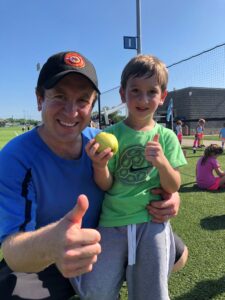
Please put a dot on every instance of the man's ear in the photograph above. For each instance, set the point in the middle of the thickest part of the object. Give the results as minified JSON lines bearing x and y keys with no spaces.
{"x":163,"y":97}
{"x":39,"y":101}
{"x":122,"y":95}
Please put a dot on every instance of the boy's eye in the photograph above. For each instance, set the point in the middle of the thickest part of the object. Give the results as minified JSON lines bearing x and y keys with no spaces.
{"x":153,"y":91}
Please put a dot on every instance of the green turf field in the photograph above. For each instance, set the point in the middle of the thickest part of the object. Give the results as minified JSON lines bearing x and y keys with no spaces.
{"x":201,"y":224}
{"x":7,"y":133}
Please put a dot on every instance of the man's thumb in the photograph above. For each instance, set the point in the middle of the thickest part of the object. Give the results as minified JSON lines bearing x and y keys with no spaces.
{"x":76,"y":214}
{"x":156,"y":138}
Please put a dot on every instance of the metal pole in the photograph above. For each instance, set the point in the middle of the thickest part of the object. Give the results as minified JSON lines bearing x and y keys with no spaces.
{"x":99,"y":110}
{"x":172,"y":120}
{"x":138,"y":15}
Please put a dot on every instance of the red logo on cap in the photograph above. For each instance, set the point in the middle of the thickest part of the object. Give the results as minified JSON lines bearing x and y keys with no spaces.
{"x":74,"y":59}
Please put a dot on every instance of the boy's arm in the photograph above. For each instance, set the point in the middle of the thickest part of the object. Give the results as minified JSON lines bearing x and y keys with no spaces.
{"x":170,"y":179}
{"x":102,"y":176}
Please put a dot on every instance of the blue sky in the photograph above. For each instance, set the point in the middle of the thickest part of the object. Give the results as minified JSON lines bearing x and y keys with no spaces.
{"x":32,"y":30}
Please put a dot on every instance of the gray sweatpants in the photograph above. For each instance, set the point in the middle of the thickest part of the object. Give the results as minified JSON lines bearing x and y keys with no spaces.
{"x":147,"y":279}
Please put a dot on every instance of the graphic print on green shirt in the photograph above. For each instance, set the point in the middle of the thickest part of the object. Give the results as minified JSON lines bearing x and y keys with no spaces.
{"x":133,"y":168}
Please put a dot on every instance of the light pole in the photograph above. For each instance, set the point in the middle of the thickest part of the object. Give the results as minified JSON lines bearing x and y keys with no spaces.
{"x":138,"y":21}
{"x":134,"y":42}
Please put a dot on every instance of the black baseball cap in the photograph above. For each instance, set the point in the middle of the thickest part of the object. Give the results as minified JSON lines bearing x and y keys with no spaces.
{"x":61,"y":64}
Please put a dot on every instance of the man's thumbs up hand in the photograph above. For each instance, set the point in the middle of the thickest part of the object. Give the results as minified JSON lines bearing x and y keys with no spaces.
{"x":75,"y":216}
{"x":76,"y":248}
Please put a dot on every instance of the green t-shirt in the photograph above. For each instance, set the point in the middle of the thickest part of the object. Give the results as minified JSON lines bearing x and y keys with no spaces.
{"x":134,"y":177}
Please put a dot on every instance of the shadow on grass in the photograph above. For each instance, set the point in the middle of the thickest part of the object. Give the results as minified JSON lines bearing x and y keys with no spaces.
{"x":213,"y":223}
{"x":202,"y":291}
{"x":185,"y":188}
{"x":193,"y":187}
{"x":194,"y":156}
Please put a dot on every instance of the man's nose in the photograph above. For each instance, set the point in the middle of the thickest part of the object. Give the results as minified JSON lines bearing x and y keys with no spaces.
{"x":71,"y":107}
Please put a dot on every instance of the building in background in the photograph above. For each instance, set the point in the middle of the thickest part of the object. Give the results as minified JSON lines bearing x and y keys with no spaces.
{"x":192,"y":103}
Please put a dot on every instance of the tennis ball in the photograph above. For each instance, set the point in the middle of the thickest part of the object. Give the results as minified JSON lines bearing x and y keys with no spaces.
{"x":107,"y":140}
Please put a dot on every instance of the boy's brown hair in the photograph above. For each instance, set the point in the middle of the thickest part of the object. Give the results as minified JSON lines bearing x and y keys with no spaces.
{"x":145,"y":66}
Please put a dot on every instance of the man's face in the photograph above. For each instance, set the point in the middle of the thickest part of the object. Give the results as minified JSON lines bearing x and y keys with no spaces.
{"x":66,"y":108}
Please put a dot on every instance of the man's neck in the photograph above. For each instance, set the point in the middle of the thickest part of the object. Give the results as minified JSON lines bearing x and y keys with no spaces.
{"x":66,"y":150}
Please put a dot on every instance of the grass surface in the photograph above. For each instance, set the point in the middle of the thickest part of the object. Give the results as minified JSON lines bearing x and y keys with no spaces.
{"x":7,"y":133}
{"x":201,"y":224}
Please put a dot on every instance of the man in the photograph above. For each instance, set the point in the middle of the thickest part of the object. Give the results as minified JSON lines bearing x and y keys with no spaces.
{"x":44,"y":175}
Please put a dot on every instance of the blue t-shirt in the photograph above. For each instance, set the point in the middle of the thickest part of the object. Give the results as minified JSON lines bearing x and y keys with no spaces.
{"x":37,"y":187}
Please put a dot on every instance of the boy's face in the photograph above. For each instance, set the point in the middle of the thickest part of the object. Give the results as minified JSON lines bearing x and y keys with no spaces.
{"x":142,"y":96}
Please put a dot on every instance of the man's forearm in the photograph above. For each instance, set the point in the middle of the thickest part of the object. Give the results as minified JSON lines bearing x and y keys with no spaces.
{"x":30,"y":251}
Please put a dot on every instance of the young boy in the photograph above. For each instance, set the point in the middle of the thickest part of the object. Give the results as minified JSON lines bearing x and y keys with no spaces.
{"x":179,"y":131}
{"x":198,"y":141}
{"x":133,"y":247}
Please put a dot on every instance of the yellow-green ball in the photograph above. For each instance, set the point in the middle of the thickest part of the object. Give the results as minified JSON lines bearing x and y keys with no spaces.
{"x":107,"y":140}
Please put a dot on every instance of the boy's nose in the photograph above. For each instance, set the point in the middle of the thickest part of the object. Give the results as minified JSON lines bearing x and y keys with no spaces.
{"x":144,"y":98}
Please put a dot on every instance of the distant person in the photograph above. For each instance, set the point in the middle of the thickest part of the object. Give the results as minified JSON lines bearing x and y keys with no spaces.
{"x":178,"y":130}
{"x":92,"y":124}
{"x":198,"y":140}
{"x":222,"y":135}
{"x":206,"y":166}
{"x":149,"y":156}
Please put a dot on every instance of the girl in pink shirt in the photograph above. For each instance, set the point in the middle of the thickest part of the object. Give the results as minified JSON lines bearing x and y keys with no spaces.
{"x":206,"y":166}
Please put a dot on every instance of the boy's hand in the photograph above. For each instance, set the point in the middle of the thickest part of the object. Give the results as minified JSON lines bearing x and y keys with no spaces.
{"x":101,"y":159}
{"x":154,"y":152}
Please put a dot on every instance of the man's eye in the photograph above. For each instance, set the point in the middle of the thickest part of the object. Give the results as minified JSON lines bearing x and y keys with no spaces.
{"x":59,"y":97}
{"x":83,"y":101}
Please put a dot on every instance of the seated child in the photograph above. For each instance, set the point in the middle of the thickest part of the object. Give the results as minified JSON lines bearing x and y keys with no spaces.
{"x":206,"y":165}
